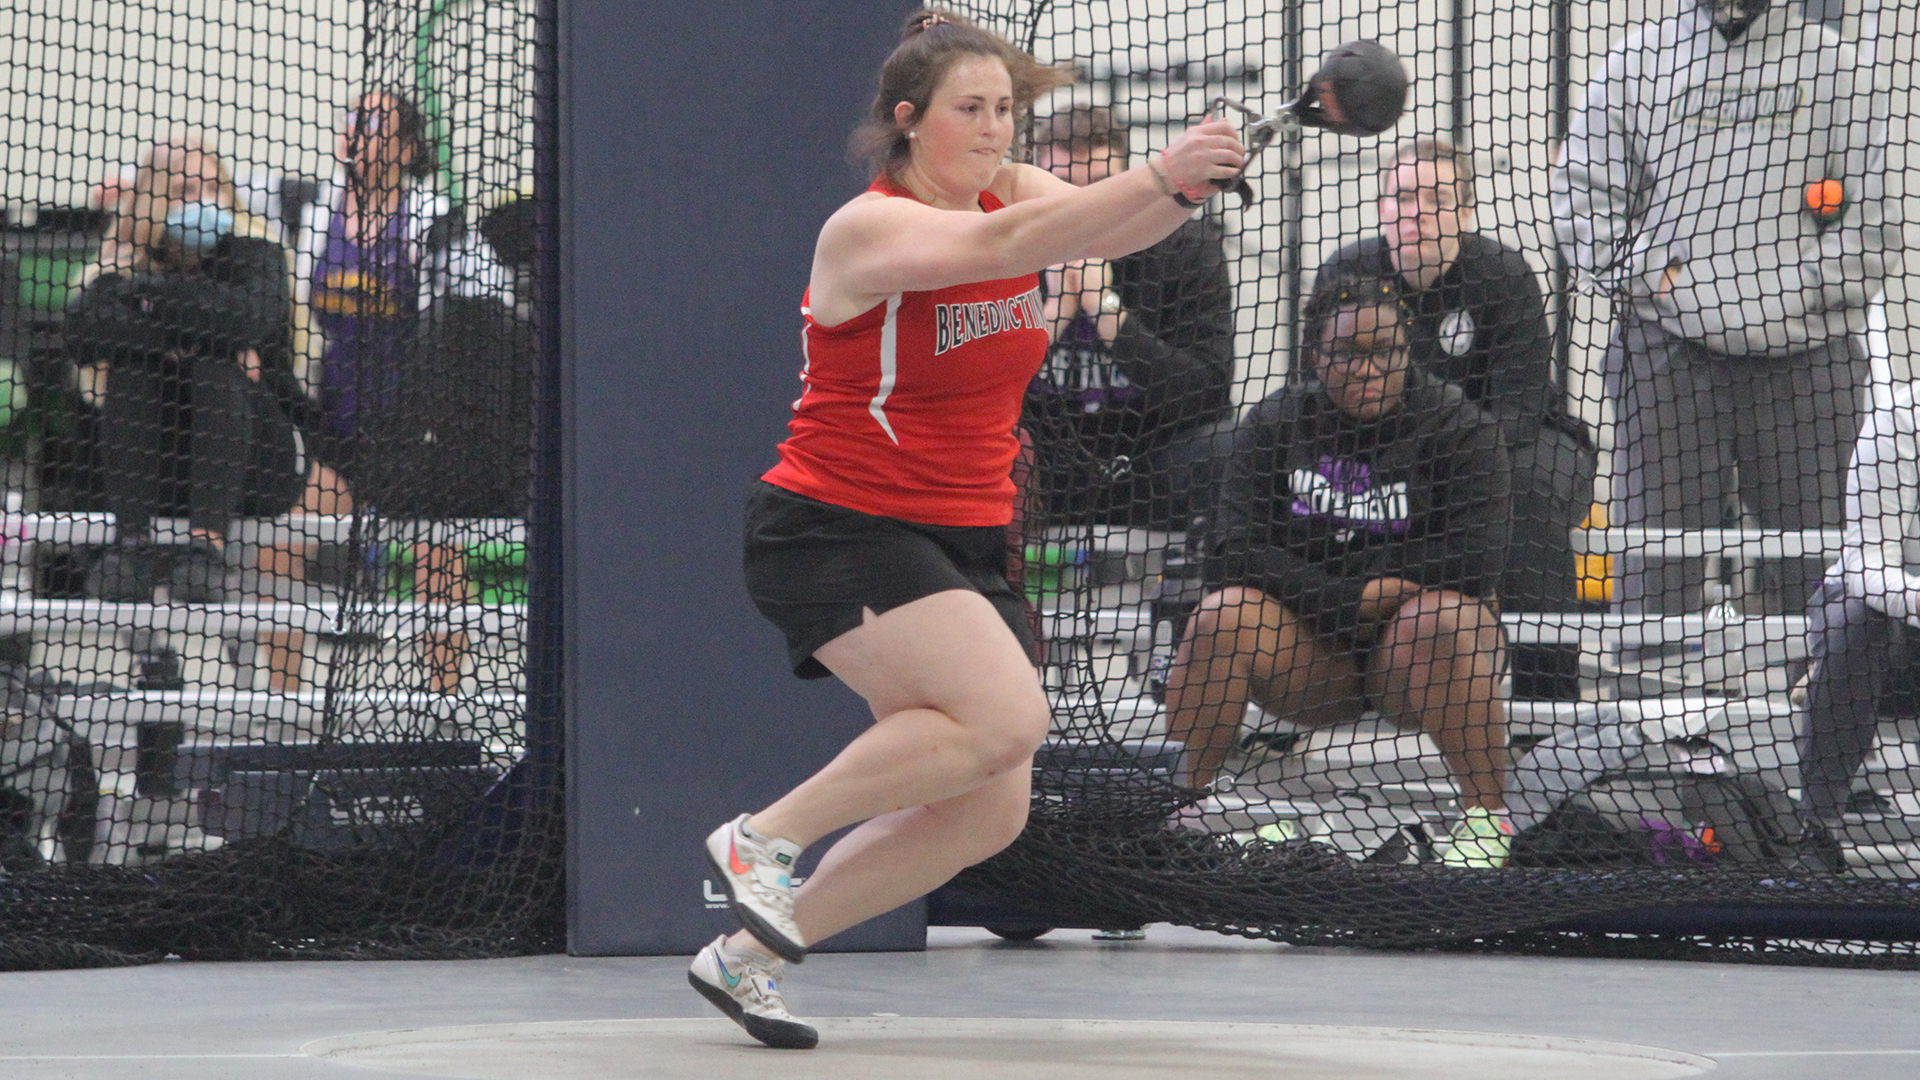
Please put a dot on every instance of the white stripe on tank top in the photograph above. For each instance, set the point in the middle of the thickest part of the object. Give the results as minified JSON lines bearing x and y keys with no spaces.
{"x":889,"y":367}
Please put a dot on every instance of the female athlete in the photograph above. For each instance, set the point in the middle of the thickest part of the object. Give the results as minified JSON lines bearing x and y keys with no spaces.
{"x":878,"y":543}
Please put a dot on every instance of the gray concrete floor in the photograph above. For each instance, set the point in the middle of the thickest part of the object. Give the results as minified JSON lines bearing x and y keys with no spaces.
{"x":206,"y":1021}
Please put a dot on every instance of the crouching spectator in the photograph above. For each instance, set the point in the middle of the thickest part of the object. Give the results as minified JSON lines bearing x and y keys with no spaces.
{"x":1861,"y":622}
{"x":182,"y":334}
{"x":1365,"y":513}
{"x":1479,"y":322}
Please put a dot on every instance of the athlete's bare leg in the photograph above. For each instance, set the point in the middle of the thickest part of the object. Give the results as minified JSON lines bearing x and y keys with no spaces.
{"x":941,"y":778}
{"x":897,"y":857}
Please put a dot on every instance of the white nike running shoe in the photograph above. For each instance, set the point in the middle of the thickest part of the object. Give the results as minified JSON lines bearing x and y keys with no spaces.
{"x":746,"y":986}
{"x":757,"y":872}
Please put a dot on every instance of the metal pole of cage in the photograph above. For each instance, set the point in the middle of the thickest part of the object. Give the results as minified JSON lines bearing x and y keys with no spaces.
{"x":1560,"y":77}
{"x":1292,"y":209}
{"x":1459,"y":52}
{"x":545,"y":657}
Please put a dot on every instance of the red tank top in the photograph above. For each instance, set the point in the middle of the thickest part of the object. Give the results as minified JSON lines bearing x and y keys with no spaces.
{"x":909,"y":408}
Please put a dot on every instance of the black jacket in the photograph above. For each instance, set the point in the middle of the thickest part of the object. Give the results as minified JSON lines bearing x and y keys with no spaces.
{"x":1317,"y":504}
{"x":236,"y":298}
{"x":1168,"y":370}
{"x":1481,"y":326}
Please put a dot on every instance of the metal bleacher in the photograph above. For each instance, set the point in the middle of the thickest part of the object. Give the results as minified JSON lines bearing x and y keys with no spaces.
{"x":85,"y":686}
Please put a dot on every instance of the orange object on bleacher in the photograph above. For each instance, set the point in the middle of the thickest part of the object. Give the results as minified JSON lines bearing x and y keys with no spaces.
{"x":1594,"y":573}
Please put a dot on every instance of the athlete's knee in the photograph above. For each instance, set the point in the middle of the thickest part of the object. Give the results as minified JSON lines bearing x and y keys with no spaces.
{"x":1010,"y":744}
{"x":1006,"y":727}
{"x":995,"y":826}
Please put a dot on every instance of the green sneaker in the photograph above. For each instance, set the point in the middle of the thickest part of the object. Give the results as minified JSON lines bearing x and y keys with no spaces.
{"x":1481,"y":840}
{"x":1278,"y":832}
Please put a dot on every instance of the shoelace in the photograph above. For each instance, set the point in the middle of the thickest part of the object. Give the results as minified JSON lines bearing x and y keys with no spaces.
{"x":770,"y":890}
{"x":762,"y":979}
{"x":764,"y":880}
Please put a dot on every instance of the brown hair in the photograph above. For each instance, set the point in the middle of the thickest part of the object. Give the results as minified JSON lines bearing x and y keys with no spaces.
{"x":930,"y":43}
{"x":409,"y":126}
{"x":1081,"y":129}
{"x":1429,"y":148}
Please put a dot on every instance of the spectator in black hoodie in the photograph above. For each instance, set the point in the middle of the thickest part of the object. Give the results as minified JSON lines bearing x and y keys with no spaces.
{"x":1364,"y":516}
{"x":1480,"y":323}
{"x":182,"y":333}
{"x":1133,"y":408}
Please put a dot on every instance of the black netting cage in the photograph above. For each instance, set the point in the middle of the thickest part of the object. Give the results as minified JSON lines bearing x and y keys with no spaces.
{"x":1496,"y":532}
{"x":277,"y":669}
{"x":1492,"y":532}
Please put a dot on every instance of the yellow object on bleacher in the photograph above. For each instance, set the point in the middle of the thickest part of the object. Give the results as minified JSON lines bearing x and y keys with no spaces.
{"x":1595,"y":572}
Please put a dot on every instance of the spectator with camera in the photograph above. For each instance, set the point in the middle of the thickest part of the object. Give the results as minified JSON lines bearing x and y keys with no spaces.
{"x":181,"y":334}
{"x":1133,"y":408}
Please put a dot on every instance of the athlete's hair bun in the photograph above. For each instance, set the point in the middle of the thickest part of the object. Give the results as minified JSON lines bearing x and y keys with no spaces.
{"x":925,"y":21}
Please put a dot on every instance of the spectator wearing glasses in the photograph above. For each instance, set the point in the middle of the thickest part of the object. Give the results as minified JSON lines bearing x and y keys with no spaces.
{"x":1479,"y":322}
{"x":1363,"y":518}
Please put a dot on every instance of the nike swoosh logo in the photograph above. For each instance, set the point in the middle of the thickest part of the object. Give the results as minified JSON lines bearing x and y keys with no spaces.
{"x":732,"y":980}
{"x":733,"y":860}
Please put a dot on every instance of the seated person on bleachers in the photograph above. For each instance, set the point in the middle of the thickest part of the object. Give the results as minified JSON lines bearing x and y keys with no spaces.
{"x":1479,"y":322}
{"x":1862,"y":621}
{"x":181,"y":333}
{"x":417,"y":349}
{"x":1133,"y":407}
{"x":1363,"y":514}
{"x":379,"y":249}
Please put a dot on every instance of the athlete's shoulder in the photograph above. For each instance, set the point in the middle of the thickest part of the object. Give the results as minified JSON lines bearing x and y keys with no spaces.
{"x":868,"y":216}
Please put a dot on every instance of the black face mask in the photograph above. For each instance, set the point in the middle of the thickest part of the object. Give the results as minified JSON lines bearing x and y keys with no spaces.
{"x":1732,"y":17}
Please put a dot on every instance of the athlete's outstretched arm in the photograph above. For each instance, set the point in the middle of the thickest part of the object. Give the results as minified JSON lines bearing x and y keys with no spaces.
{"x":874,"y":246}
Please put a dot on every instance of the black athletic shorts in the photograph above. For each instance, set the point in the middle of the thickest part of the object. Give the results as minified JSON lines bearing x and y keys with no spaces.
{"x":812,"y":569}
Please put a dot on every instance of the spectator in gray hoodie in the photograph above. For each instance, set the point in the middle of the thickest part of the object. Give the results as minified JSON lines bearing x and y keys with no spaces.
{"x":1724,"y":181}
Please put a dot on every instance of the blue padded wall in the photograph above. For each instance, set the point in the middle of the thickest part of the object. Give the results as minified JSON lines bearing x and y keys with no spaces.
{"x":701,"y":146}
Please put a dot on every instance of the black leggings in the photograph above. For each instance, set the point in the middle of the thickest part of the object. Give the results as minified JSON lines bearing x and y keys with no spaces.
{"x":195,"y":435}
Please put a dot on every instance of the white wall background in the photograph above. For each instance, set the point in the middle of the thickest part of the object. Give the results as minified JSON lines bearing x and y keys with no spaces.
{"x":87,"y":83}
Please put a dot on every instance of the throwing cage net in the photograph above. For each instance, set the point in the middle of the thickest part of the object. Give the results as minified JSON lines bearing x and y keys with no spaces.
{"x":276,"y":674}
{"x":1498,"y":533}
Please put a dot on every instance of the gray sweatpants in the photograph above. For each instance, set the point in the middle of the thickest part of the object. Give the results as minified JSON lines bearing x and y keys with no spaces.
{"x":1856,"y":653}
{"x":1695,"y":428}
